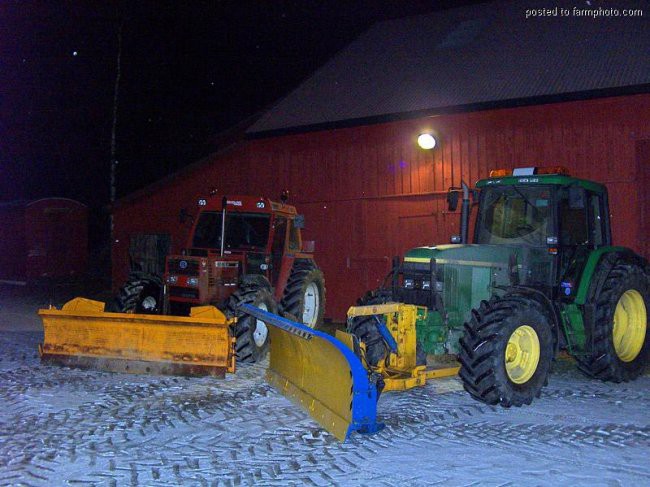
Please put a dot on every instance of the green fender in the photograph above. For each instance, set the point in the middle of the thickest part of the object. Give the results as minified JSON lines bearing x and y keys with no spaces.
{"x":577,"y":314}
{"x":590,"y":269}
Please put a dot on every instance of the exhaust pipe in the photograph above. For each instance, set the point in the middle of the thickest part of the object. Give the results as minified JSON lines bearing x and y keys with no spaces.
{"x":224,"y":202}
{"x":464,"y":213}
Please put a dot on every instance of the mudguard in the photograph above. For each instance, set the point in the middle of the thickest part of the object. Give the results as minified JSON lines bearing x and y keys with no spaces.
{"x":320,"y":374}
{"x":81,"y":334}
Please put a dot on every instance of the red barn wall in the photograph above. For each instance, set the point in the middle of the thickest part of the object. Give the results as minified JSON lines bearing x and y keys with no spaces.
{"x":369,"y":192}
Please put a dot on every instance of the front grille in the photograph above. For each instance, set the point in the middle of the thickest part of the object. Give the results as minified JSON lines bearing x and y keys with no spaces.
{"x":183,"y":292}
{"x":418,"y":297}
{"x":191,"y":268}
{"x":419,"y":287}
{"x":451,"y":278}
{"x":212,"y":279}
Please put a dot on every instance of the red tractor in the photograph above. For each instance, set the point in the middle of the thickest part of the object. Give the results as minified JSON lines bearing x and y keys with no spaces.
{"x":257,"y":257}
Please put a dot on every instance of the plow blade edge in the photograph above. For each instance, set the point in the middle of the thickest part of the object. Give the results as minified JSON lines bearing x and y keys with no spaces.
{"x":321,"y":374}
{"x":81,"y":334}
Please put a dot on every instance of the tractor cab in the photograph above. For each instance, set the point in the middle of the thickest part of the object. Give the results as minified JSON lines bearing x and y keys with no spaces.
{"x":258,"y":240}
{"x":547,"y":214}
{"x":541,"y":207}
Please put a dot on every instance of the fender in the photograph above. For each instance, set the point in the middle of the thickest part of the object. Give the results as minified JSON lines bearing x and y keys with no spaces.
{"x":551,"y":310}
{"x":610,"y":253}
{"x":580,"y":313}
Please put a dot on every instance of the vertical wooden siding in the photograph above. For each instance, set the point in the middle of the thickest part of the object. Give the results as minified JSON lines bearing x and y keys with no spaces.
{"x":370,"y":193}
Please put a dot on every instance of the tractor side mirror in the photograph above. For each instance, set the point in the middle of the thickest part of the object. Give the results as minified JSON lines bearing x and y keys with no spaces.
{"x":299,"y":221}
{"x":185,"y":217}
{"x":452,"y":200}
{"x":576,"y":198}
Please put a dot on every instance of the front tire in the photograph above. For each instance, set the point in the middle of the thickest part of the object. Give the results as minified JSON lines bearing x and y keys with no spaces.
{"x":506,"y":351}
{"x":142,"y":293}
{"x":304,"y":294}
{"x":365,"y":329}
{"x":251,"y":334}
{"x":619,"y":330}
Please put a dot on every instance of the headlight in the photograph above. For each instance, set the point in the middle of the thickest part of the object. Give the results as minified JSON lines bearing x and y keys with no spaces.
{"x":426,"y":285}
{"x":409,"y":283}
{"x":172,"y":279}
{"x":193,"y":281}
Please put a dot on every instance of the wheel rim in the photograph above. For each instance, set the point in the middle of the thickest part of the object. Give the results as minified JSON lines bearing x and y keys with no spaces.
{"x":261,"y":331}
{"x":310,"y":304}
{"x":630,"y":322}
{"x":149,"y":303}
{"x":522,"y":354}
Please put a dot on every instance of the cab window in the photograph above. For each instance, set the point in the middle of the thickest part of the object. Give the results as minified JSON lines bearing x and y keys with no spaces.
{"x":573,"y":224}
{"x":280,"y":235}
{"x":583,"y":222}
{"x":597,"y":218}
{"x":294,"y":237}
{"x":514,"y":215}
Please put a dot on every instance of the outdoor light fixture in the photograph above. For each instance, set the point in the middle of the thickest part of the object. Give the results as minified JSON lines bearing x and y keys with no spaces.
{"x":426,"y":141}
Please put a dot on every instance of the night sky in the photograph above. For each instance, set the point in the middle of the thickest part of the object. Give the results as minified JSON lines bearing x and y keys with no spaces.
{"x":189,"y":71}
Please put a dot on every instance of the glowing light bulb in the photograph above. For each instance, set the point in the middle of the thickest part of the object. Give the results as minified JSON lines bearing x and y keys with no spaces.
{"x":426,"y":141}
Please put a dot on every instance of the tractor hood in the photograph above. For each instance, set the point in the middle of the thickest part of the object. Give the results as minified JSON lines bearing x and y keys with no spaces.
{"x":465,"y":274}
{"x":509,"y":264}
{"x":465,"y":254}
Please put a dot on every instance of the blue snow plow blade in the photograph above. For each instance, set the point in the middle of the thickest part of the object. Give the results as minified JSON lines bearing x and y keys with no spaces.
{"x":321,"y":374}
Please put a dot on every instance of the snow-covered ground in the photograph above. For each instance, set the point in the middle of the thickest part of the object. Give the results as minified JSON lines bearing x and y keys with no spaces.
{"x":63,"y":426}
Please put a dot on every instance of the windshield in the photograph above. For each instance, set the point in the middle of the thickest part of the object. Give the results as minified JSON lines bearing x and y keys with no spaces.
{"x":514,"y":215}
{"x":243,"y":230}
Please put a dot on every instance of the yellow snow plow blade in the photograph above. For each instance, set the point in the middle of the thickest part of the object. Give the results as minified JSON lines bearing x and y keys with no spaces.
{"x":81,"y":334}
{"x":321,"y":375}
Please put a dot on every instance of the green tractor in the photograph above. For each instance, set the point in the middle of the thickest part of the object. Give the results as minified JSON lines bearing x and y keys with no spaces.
{"x":541,"y":276}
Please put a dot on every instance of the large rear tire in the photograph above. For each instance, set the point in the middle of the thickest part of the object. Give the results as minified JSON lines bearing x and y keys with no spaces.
{"x":506,"y":351}
{"x":142,"y":293}
{"x":619,"y":331}
{"x":304,"y":294}
{"x":251,"y":334}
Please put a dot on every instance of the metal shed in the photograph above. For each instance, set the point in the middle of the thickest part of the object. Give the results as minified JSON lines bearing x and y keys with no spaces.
{"x":45,"y":238}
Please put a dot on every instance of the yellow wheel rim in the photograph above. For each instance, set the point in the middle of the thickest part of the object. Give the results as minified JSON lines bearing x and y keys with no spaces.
{"x":630,"y":322}
{"x":522,"y":354}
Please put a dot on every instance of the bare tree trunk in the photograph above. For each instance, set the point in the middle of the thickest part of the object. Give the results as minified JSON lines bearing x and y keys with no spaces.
{"x":118,"y":73}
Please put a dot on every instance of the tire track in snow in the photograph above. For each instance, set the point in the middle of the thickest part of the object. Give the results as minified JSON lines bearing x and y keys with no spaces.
{"x":59,"y":424}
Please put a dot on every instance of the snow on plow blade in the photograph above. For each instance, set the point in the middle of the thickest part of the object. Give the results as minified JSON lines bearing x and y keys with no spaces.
{"x":81,"y":334}
{"x":320,"y":374}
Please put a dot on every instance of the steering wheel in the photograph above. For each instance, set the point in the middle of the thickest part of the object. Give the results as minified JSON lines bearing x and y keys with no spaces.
{"x":524,"y":229}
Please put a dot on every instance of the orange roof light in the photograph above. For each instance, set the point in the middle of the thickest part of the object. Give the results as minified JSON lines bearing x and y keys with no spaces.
{"x":499,"y":173}
{"x":529,"y":171}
